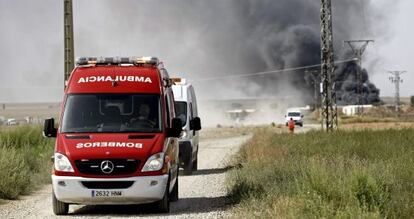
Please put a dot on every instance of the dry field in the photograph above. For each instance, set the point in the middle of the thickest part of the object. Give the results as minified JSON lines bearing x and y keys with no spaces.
{"x":37,"y":112}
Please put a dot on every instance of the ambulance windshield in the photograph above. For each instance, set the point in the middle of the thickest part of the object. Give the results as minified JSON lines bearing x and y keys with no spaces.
{"x":111,"y":113}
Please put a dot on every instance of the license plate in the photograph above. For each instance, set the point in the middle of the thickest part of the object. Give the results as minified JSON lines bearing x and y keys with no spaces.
{"x":106,"y":193}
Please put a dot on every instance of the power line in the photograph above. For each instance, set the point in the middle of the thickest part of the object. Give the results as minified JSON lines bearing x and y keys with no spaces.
{"x":270,"y":72}
{"x":219,"y":77}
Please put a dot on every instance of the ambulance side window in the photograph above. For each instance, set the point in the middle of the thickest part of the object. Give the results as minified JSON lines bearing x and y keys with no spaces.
{"x":170,"y":107}
{"x":167,"y":110}
{"x":171,"y":104}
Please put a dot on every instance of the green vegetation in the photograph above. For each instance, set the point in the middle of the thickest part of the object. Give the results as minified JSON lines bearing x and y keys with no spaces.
{"x":24,"y":161}
{"x":355,"y":174}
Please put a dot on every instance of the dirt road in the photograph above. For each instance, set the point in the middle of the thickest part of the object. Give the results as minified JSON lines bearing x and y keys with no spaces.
{"x":202,"y":195}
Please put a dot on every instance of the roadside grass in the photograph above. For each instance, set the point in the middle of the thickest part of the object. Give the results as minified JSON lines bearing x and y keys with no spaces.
{"x":24,"y":161}
{"x":345,"y":174}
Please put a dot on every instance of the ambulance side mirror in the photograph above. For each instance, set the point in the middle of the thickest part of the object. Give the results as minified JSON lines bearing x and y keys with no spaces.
{"x":49,"y":130}
{"x":195,"y":124}
{"x":176,"y":128}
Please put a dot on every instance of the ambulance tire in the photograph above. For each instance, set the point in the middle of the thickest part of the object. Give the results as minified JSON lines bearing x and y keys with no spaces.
{"x":188,"y":167}
{"x":195,"y":163}
{"x":163,"y":205}
{"x":59,"y":208}
{"x":174,"y":192}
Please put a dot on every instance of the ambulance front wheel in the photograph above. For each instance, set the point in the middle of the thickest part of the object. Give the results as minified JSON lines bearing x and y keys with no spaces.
{"x":59,"y":208}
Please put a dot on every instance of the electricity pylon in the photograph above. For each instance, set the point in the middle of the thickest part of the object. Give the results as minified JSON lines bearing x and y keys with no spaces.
{"x":328,"y":94}
{"x":358,"y":52}
{"x":396,"y":79}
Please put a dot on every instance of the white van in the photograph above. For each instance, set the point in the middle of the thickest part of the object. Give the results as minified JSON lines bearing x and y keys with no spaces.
{"x":295,"y":115}
{"x":186,"y":110}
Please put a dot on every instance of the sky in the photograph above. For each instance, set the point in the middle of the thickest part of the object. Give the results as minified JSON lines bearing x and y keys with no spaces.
{"x":31,"y":45}
{"x":395,"y":50}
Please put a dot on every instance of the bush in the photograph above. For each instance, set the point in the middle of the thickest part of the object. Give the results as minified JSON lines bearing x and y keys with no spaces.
{"x":325,"y":175}
{"x":24,"y":161}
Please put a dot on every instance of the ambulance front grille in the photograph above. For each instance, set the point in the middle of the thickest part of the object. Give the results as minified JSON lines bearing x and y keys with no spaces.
{"x":107,"y":166}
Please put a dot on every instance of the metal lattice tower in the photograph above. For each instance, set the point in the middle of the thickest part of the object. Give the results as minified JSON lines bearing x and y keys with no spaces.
{"x":328,"y":93}
{"x":314,"y":76}
{"x":358,"y":52}
{"x":396,"y":79}
{"x":68,"y":38}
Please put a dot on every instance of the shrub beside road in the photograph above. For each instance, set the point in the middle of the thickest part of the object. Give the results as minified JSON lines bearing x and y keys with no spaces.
{"x":24,"y":161}
{"x":349,"y":174}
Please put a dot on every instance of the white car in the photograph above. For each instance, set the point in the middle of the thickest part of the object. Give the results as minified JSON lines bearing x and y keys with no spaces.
{"x":11,"y":122}
{"x":296,"y":116}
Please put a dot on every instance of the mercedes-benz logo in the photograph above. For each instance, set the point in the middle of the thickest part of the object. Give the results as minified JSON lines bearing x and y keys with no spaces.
{"x":107,"y":166}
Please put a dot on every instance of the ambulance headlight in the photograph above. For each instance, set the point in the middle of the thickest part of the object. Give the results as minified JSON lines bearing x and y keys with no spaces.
{"x":62,"y":163}
{"x":154,"y":163}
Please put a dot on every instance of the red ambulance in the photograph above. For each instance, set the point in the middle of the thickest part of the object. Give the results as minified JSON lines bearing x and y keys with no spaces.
{"x":117,"y":139}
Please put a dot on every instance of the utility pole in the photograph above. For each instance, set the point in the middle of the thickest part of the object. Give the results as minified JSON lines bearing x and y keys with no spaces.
{"x":316,"y":83}
{"x":396,"y":79}
{"x":328,"y":92}
{"x":358,"y":52}
{"x":68,"y":38}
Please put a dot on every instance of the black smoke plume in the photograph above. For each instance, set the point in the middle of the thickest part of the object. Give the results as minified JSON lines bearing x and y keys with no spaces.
{"x":196,"y":38}
{"x":348,"y":86}
{"x":285,"y":33}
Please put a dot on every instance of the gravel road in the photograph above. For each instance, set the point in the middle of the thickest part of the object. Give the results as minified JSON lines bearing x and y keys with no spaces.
{"x":202,"y":195}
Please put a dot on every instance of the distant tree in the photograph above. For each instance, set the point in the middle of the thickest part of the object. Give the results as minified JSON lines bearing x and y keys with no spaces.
{"x":412,"y":100}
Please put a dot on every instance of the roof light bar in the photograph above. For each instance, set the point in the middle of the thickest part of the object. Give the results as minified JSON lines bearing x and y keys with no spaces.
{"x":176,"y":80}
{"x":181,"y":81}
{"x":117,"y":60}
